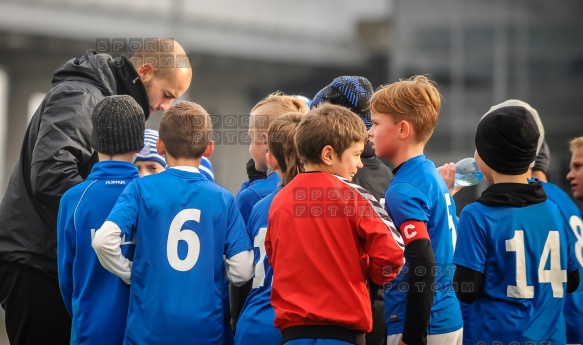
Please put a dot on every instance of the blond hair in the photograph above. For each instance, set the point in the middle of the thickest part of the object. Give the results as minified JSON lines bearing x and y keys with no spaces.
{"x":328,"y":124}
{"x":281,"y":104}
{"x":575,"y":144}
{"x":280,"y":142}
{"x":185,"y":130}
{"x":415,"y":100}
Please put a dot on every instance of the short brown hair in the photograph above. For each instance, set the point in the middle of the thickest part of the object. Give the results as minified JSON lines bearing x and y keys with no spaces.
{"x":575,"y":144}
{"x":283,"y":104}
{"x":328,"y":124}
{"x":185,"y":130}
{"x":415,"y":100}
{"x":280,"y":142}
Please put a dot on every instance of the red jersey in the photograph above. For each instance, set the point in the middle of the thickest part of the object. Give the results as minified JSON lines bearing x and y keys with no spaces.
{"x":325,"y":238}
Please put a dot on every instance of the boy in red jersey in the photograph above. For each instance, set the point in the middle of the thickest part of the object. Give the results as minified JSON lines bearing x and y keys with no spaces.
{"x":326,"y":236}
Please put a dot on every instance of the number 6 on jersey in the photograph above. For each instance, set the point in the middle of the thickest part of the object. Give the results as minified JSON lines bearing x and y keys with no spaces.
{"x":190,"y":237}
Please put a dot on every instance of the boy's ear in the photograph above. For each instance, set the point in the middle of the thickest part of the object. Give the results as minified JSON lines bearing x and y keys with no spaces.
{"x":271,"y":161}
{"x":327,"y":154}
{"x":264,"y":138}
{"x":209,"y":149}
{"x":160,"y":147}
{"x":405,"y":129}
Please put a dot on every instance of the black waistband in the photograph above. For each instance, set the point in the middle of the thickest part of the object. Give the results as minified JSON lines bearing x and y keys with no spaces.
{"x":323,"y":332}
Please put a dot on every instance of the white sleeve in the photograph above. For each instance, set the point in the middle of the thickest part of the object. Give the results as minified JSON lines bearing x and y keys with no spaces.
{"x":240,"y":267}
{"x":107,"y":242}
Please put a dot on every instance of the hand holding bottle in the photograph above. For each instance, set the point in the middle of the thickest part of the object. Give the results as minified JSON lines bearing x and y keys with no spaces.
{"x":467,"y":173}
{"x":461,"y":174}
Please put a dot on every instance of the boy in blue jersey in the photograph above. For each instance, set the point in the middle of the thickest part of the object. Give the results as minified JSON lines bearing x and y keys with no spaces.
{"x":96,"y":299}
{"x":574,"y":302}
{"x":514,"y":262}
{"x":420,"y":304}
{"x":149,"y":161}
{"x":255,"y":324}
{"x":262,"y":114}
{"x":183,"y":225}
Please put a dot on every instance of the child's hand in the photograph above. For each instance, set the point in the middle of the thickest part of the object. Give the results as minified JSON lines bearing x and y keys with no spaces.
{"x":447,"y":172}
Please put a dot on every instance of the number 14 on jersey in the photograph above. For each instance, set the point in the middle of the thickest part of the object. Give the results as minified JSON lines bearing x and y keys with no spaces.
{"x":554,"y":275}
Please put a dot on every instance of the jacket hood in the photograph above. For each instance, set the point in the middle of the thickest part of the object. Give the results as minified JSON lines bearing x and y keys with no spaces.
{"x":91,"y":68}
{"x":111,"y":76}
{"x":513,"y":194}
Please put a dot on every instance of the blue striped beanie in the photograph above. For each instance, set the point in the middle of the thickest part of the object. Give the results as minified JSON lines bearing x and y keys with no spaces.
{"x":149,"y":152}
{"x":351,"y":92}
{"x":206,"y":168}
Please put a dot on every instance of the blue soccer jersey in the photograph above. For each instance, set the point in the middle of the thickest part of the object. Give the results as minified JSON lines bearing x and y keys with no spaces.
{"x":573,"y":310}
{"x":96,"y":299}
{"x":183,"y":225}
{"x":417,"y":192}
{"x":255,"y":325}
{"x":524,"y":255}
{"x":255,"y":191}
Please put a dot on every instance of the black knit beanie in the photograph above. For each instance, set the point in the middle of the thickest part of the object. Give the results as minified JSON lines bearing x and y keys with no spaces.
{"x":507,"y":138}
{"x":118,"y":125}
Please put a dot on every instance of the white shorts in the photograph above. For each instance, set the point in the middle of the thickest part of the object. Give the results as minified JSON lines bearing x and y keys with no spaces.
{"x":452,"y":338}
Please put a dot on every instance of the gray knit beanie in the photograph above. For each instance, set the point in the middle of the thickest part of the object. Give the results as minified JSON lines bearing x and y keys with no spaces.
{"x":118,"y":125}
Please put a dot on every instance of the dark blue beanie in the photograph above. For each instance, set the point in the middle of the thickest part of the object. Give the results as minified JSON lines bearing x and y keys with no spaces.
{"x":351,"y":92}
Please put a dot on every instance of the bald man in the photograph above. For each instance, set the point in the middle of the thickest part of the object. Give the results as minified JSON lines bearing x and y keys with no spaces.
{"x":56,"y":154}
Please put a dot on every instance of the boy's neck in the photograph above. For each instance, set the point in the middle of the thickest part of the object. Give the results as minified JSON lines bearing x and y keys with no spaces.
{"x":502,"y":178}
{"x":407,"y":152}
{"x":316,"y":167}
{"x":124,"y":157}
{"x":185,"y":162}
